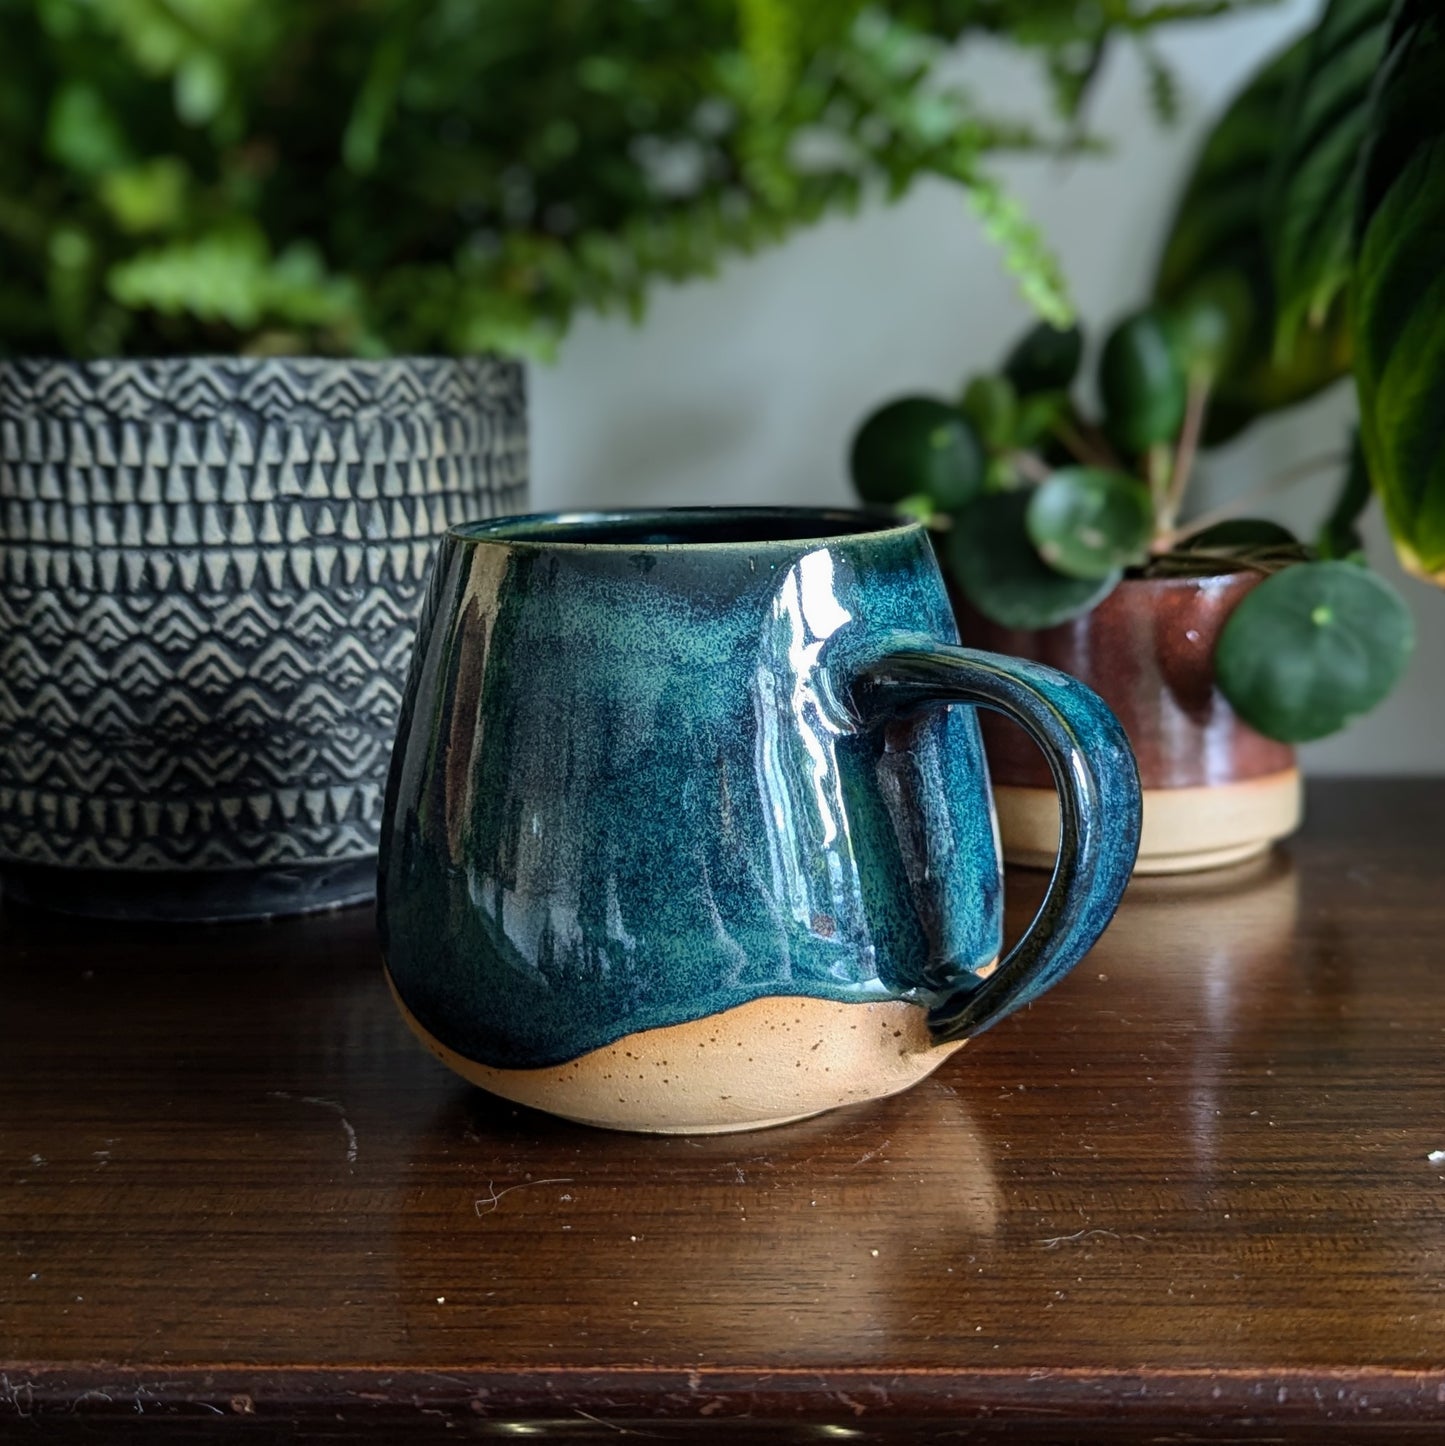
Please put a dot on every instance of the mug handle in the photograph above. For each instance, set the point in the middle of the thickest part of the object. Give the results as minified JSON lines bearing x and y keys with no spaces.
{"x":1098,"y":783}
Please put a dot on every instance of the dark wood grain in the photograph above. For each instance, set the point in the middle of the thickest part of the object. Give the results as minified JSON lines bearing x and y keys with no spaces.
{"x":1185,"y":1197}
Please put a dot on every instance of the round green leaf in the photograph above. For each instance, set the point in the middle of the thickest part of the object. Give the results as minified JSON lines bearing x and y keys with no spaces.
{"x":1087,"y":522}
{"x":1240,"y":533}
{"x":991,"y":406}
{"x":918,"y":445}
{"x":1038,"y":416}
{"x":993,"y":560}
{"x":1312,"y":648}
{"x":1142,"y":383}
{"x":1205,"y":326}
{"x":1045,"y":359}
{"x":919,"y":507}
{"x":1001,"y":476}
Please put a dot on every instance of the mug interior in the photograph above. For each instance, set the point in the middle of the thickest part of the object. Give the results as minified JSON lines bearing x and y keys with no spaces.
{"x":681,"y":527}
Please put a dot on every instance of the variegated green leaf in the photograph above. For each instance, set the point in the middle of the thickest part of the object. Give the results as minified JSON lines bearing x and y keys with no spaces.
{"x":1398,"y":297}
{"x":1216,"y":252}
{"x":1315,"y":188}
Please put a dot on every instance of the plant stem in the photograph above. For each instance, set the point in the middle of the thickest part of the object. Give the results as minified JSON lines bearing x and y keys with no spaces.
{"x":23,"y":225}
{"x":1156,"y":469}
{"x":1086,"y":442}
{"x":1280,"y":482}
{"x":1030,"y":465}
{"x":1185,"y":456}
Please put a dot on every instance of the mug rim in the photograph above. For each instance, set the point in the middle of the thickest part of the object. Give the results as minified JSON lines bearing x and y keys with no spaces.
{"x":528,"y":529}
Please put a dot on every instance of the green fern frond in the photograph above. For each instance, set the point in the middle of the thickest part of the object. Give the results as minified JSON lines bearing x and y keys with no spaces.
{"x":1163,"y":85}
{"x":768,"y":30}
{"x":1025,"y":253}
{"x":423,"y":175}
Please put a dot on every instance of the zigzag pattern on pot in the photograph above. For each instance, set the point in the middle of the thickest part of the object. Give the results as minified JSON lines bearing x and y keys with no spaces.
{"x":209,"y":575}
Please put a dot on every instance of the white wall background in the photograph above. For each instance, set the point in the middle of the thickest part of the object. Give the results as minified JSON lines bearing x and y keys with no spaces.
{"x":745,"y":388}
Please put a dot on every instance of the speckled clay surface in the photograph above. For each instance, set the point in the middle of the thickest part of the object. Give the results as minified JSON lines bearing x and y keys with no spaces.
{"x":765,"y":1063}
{"x":656,"y":767}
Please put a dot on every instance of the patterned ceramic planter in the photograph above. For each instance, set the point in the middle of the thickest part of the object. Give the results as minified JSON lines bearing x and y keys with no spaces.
{"x":210,"y":571}
{"x":1215,"y":791}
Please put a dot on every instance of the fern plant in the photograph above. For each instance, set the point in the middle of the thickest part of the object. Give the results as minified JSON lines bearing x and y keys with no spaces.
{"x":376,"y":176}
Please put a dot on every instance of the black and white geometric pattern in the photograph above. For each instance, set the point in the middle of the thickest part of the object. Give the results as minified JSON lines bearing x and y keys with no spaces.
{"x":210,"y":571}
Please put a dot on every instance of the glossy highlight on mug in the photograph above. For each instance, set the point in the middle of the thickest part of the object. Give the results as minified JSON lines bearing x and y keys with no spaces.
{"x":656,"y":768}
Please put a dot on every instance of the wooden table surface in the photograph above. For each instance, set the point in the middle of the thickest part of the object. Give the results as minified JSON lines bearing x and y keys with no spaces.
{"x":1187,"y":1196}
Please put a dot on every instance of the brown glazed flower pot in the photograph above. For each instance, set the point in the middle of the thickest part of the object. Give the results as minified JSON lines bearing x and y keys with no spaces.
{"x":1215,"y":791}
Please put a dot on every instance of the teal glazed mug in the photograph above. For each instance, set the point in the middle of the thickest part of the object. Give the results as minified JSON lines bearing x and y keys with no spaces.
{"x":689,"y":826}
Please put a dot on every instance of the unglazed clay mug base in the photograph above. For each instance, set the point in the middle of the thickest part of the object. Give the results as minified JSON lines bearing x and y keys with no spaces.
{"x":1215,"y":792}
{"x":769,"y":1062}
{"x":689,"y":829}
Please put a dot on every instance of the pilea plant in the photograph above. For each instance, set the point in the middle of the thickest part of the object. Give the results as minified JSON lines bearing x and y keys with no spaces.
{"x":1040,"y":510}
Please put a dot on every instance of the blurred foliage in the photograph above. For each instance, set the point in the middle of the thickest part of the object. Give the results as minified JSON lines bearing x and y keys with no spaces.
{"x":1314,"y":223}
{"x":1315,"y":189}
{"x":1041,"y":511}
{"x":374,"y":176}
{"x":1217,"y":255}
{"x":1398,"y":288}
